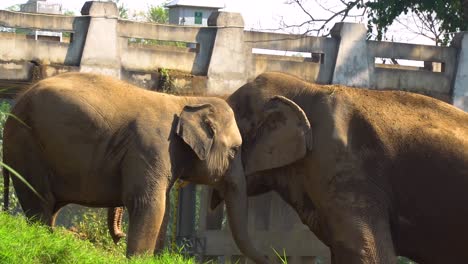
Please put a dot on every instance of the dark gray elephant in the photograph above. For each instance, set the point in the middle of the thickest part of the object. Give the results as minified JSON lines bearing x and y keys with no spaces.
{"x":374,"y":174}
{"x":96,"y":141}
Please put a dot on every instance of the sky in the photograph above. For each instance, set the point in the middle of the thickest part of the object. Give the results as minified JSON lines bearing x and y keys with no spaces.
{"x":258,"y":14}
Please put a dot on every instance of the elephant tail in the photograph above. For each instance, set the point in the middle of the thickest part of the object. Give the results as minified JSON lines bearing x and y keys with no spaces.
{"x":6,"y":188}
{"x":114,"y":223}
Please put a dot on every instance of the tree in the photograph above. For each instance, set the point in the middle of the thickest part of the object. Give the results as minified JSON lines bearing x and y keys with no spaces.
{"x":15,"y":8}
{"x":329,"y":13}
{"x":158,"y":14}
{"x":435,"y":19}
{"x":448,"y":16}
{"x":123,"y":10}
{"x":68,"y":13}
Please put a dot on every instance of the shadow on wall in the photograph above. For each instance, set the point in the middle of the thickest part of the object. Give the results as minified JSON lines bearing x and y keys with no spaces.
{"x":77,"y":41}
{"x":352,"y":63}
{"x":205,"y":42}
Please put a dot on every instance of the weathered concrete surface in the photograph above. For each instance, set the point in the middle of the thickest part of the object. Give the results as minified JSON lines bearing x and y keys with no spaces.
{"x":388,"y":76}
{"x":16,"y":76}
{"x":132,"y":29}
{"x":227,"y":69}
{"x":15,"y":70}
{"x":101,"y":52}
{"x":271,"y":222}
{"x":138,"y":57}
{"x":352,"y":63}
{"x":460,"y":84}
{"x":427,"y":83}
{"x":298,"y":66}
{"x":223,"y":52}
{"x":321,"y":72}
{"x":36,"y":21}
{"x":17,"y":49}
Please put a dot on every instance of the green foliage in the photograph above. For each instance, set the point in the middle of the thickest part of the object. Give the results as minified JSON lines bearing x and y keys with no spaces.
{"x":15,"y":8}
{"x":68,"y":13}
{"x":32,"y":243}
{"x":123,"y":10}
{"x":402,"y":260}
{"x":282,"y":258}
{"x":91,"y":224}
{"x":383,"y":13}
{"x":4,"y":110}
{"x":4,"y":114}
{"x":158,"y":14}
{"x":165,"y":81}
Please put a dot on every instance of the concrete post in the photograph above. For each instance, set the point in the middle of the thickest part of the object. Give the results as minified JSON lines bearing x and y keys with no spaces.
{"x":460,"y":83}
{"x":186,"y":216}
{"x":227,"y":68}
{"x":101,"y":52}
{"x":352,"y":63}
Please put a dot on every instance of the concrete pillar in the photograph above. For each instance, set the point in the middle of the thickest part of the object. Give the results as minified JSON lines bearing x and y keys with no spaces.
{"x":186,"y":217}
{"x":352,"y":67}
{"x":227,"y":68}
{"x":101,"y":52}
{"x":460,"y":83}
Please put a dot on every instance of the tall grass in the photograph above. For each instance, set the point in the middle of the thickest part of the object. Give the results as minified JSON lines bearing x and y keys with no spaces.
{"x":21,"y":242}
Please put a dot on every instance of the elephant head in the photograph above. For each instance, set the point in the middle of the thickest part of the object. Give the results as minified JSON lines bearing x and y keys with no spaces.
{"x":275,"y":131}
{"x":211,"y":132}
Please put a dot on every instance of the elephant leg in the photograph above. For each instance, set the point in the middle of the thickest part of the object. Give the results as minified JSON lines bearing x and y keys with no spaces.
{"x":362,"y":239}
{"x":34,"y":208}
{"x":145,"y":219}
{"x":163,"y":231}
{"x":26,"y":161}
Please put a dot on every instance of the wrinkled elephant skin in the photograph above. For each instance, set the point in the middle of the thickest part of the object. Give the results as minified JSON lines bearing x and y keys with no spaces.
{"x":100,"y":142}
{"x":374,"y":174}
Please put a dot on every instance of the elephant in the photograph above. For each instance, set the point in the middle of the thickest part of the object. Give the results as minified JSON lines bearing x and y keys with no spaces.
{"x":373,"y":174}
{"x":97,"y":141}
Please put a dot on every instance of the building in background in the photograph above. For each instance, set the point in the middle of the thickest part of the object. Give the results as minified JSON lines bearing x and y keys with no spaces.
{"x":192,"y":12}
{"x":45,"y":7}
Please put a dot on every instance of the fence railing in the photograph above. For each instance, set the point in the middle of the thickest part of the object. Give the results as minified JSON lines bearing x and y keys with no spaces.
{"x":225,"y":53}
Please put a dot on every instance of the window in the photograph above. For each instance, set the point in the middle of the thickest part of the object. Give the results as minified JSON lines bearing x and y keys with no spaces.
{"x":198,"y":18}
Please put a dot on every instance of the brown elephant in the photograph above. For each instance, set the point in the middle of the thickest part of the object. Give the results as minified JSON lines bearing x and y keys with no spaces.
{"x":100,"y":142}
{"x":374,"y":174}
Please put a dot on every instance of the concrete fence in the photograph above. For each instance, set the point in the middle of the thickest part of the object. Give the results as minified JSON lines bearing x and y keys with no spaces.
{"x":217,"y":60}
{"x":223,"y":56}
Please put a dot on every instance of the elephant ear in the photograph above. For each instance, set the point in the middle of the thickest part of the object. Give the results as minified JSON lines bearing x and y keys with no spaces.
{"x":196,"y":129}
{"x":283,"y":136}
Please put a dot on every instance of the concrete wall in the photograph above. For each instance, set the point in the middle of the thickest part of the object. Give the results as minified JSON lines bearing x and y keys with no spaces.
{"x":317,"y":71}
{"x":223,"y":52}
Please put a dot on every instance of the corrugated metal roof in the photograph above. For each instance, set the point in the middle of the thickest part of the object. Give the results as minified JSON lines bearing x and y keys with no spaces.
{"x":197,"y":3}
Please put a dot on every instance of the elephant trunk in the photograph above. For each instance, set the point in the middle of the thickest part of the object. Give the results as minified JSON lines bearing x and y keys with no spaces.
{"x":235,"y":197}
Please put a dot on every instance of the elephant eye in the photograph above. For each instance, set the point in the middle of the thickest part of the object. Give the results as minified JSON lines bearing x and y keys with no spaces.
{"x":233,"y":151}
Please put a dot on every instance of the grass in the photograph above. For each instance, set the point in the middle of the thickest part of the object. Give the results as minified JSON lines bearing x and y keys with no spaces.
{"x":21,"y":242}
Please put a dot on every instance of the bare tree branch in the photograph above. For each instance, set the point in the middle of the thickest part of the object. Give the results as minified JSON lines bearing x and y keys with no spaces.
{"x":319,"y":24}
